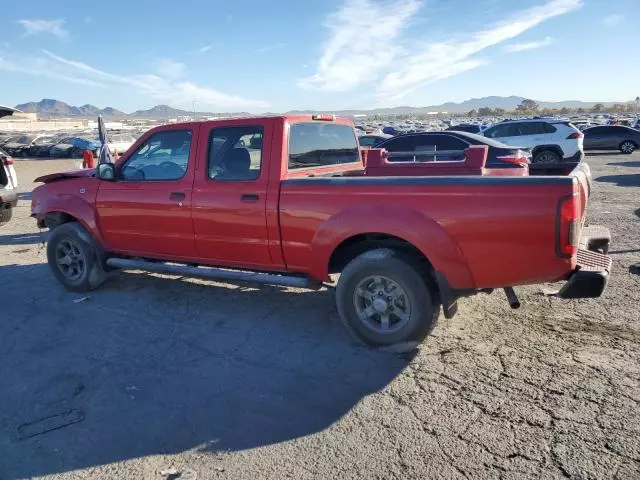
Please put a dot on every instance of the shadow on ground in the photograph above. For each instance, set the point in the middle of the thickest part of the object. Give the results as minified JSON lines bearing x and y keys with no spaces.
{"x":24,"y":196}
{"x":152,"y":365}
{"x":606,"y":153}
{"x":625,"y":164}
{"x":629,"y":180}
{"x":22,"y":239}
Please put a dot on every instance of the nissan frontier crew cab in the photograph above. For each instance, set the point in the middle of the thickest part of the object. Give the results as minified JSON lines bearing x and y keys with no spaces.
{"x":287,"y":200}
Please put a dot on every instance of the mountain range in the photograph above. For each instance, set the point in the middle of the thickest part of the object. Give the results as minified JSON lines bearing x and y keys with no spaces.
{"x":55,"y":108}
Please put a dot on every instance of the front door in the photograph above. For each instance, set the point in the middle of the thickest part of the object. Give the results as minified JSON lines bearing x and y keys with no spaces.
{"x":230,"y":194}
{"x":147,"y":210}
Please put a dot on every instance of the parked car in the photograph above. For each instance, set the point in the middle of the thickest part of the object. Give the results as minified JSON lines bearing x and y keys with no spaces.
{"x":8,"y":187}
{"x":16,"y":146}
{"x":425,"y":147}
{"x":550,"y":141}
{"x":466,"y":127}
{"x":636,"y":124}
{"x":286,"y":212}
{"x":612,"y":137}
{"x":72,"y":147}
{"x":120,"y":143}
{"x":371,"y":140}
{"x":41,"y":146}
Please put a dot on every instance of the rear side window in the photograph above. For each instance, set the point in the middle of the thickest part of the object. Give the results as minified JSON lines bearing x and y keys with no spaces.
{"x":235,"y":153}
{"x":548,"y":128}
{"x":499,"y":131}
{"x":321,"y":144}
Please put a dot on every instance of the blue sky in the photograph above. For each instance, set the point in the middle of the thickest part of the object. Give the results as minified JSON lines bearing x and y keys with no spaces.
{"x":261,"y":56}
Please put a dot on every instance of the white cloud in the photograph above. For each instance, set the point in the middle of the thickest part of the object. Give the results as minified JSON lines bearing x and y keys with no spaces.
{"x":613,"y":20}
{"x":206,"y":48}
{"x":41,"y":68}
{"x":163,"y":88}
{"x":360,"y":42}
{"x":166,"y":67}
{"x":521,"y":47}
{"x":446,"y":59}
{"x":397,"y":64}
{"x":52,"y":27}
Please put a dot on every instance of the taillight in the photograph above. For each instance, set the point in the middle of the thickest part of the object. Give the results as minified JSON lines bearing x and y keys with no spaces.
{"x":575,"y":135}
{"x":517,"y":158}
{"x":8,"y":161}
{"x":569,"y":226}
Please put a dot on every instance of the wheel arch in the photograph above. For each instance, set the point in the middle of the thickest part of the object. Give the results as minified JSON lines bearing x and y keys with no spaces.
{"x":361,"y":228}
{"x":547,"y":147}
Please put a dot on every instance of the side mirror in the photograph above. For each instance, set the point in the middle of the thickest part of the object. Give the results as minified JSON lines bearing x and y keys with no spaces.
{"x":106,"y":171}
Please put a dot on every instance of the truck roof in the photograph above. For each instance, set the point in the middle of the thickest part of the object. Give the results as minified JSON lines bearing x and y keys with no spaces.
{"x":293,"y":117}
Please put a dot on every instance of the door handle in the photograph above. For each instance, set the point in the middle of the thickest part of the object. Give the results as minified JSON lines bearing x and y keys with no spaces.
{"x":250,"y":197}
{"x":177,"y":196}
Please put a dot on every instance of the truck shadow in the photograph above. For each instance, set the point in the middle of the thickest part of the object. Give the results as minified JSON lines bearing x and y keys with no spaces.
{"x":624,"y":164}
{"x":23,"y":239}
{"x":630,"y":180}
{"x":153,"y":365}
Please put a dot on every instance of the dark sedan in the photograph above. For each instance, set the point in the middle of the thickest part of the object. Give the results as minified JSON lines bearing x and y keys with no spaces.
{"x":370,"y":140}
{"x":611,"y":137}
{"x":424,"y":147}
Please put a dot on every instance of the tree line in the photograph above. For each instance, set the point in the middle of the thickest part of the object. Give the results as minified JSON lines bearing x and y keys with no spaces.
{"x":530,"y":107}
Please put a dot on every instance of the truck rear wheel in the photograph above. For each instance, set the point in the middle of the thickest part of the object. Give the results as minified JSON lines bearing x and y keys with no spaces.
{"x":73,"y":258}
{"x":383,"y":300}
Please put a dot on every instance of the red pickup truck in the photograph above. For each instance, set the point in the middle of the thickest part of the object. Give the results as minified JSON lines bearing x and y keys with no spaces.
{"x":287,"y":201}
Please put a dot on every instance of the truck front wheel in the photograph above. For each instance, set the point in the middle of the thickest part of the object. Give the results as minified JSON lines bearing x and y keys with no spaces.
{"x":73,"y":258}
{"x":383,"y":300}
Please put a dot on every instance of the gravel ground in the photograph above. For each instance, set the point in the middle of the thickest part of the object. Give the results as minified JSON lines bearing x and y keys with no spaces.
{"x":157,"y":377}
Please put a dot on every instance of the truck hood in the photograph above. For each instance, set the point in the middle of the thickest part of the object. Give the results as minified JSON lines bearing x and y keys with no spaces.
{"x":54,"y":177}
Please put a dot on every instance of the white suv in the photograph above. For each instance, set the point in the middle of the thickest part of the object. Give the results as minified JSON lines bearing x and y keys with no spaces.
{"x":550,"y":141}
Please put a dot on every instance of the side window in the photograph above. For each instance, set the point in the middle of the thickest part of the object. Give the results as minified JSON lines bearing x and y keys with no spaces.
{"x":235,"y":153}
{"x":548,"y":128}
{"x":499,"y":131}
{"x":525,"y":128}
{"x":594,"y":131}
{"x":163,"y":156}
{"x":401,"y":144}
{"x":321,"y":144}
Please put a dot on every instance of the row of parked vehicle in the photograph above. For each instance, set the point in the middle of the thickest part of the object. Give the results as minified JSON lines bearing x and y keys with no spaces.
{"x":543,"y":141}
{"x":62,"y":145}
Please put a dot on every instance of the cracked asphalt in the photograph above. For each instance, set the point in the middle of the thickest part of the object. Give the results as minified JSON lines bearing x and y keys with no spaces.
{"x":160,"y":377}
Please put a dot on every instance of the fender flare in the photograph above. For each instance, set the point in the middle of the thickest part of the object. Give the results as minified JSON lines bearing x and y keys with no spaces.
{"x":75,"y":207}
{"x":405,"y":223}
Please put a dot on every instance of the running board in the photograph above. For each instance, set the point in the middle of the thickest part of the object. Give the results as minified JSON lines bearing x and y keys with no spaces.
{"x":215,"y":273}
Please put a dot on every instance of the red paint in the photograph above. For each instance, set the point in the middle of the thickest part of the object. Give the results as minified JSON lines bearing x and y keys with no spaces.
{"x":478,"y":234}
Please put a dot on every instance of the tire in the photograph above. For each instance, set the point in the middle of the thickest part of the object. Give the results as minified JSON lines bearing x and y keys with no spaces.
{"x":80,"y":269}
{"x":409,"y":317}
{"x":546,"y":156}
{"x":5,"y":215}
{"x":627,"y":147}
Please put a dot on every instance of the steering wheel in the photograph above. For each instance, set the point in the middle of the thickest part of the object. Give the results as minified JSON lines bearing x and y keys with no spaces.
{"x":175,"y":170}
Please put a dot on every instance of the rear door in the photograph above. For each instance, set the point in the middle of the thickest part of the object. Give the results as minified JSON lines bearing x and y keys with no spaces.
{"x":595,"y":137}
{"x":147,"y":211}
{"x":502,"y":132}
{"x":230,"y":193}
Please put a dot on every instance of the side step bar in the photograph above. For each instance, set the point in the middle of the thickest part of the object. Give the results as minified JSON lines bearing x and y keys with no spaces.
{"x":215,"y":273}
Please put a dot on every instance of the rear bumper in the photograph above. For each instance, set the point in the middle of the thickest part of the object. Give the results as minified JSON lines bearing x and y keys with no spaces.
{"x":575,"y":158}
{"x":8,"y":197}
{"x":591,"y":275}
